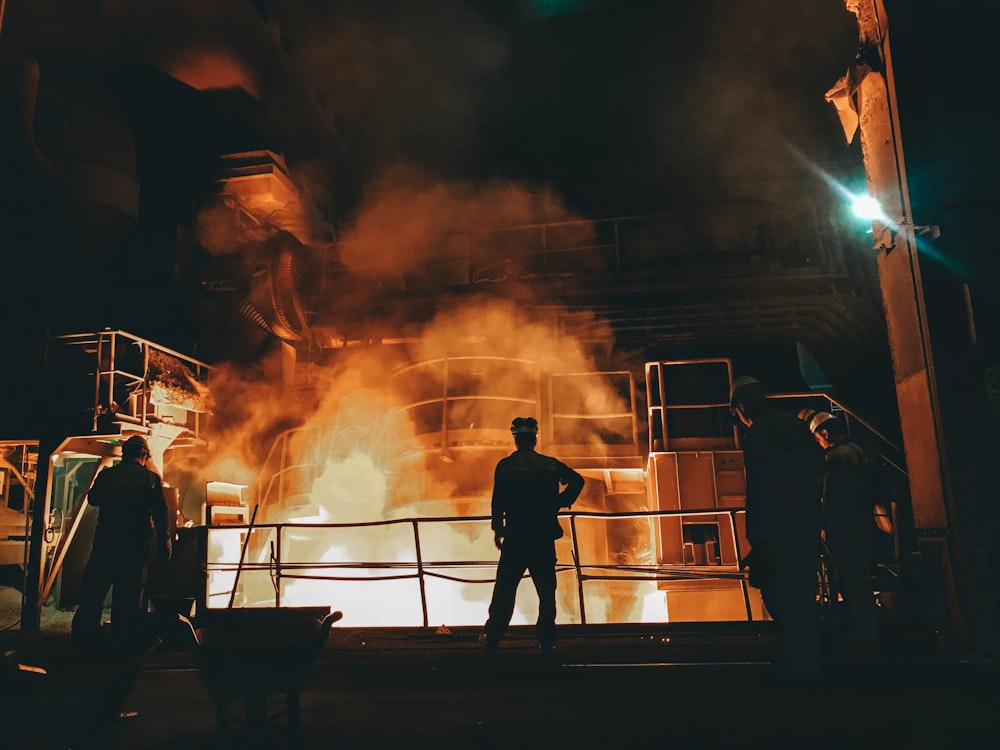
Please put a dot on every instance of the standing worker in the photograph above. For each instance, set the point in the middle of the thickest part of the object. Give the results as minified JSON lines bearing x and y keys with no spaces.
{"x":784,"y":468}
{"x":848,"y":524}
{"x":131,"y":510}
{"x":529,"y":488}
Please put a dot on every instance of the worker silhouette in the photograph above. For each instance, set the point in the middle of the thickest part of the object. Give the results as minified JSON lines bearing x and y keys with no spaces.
{"x":131,"y":511}
{"x":529,"y":488}
{"x":784,"y":468}
{"x":848,"y":525}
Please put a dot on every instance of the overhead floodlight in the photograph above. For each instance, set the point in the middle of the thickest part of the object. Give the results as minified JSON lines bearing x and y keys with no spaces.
{"x":866,"y":207}
{"x":884,"y":228}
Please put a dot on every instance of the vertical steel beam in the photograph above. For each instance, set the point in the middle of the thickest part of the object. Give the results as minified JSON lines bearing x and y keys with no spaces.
{"x":908,"y":330}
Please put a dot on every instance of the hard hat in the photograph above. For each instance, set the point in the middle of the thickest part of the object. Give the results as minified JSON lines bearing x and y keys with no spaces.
{"x":524,"y":425}
{"x":743,"y":380}
{"x":135,"y":446}
{"x":745,"y":386}
{"x":818,"y":420}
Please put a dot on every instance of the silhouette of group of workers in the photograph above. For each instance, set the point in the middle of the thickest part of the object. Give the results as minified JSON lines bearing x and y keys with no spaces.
{"x":808,"y":485}
{"x":529,"y":490}
{"x":808,"y":488}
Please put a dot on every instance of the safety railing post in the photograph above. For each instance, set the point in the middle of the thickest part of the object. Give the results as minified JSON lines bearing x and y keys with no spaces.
{"x":277,"y":564}
{"x":739,"y":561}
{"x":145,"y":385}
{"x":97,"y":381}
{"x":420,"y":570}
{"x":579,"y":572}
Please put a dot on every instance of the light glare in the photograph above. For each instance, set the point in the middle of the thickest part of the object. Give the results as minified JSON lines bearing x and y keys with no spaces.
{"x":866,"y":207}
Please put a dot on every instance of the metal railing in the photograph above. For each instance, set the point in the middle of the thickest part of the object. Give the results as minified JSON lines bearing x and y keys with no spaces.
{"x":126,"y":368}
{"x":721,"y":241}
{"x":418,"y":568}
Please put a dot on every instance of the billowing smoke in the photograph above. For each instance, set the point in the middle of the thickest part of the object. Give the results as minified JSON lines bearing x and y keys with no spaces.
{"x":250,"y":412}
{"x":342,"y":443}
{"x":408,"y":220}
{"x":355,"y":412}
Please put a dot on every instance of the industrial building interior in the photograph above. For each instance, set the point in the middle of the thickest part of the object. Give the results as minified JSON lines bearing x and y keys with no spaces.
{"x":324,"y":327}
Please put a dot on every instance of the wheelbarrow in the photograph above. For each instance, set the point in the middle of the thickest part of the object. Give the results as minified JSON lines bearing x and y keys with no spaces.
{"x":252,"y":654}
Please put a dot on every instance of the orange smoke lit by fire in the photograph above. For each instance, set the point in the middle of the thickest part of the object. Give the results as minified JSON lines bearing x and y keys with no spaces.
{"x":357,"y":447}
{"x":349,"y":460}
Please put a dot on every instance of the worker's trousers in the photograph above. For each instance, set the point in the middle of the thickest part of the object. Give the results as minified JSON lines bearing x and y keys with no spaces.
{"x":125,"y":576}
{"x":538,"y":557}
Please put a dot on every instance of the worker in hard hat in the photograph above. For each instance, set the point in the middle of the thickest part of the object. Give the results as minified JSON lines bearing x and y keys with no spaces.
{"x":848,"y":524}
{"x":132,"y":512}
{"x":529,"y":488}
{"x":784,"y":467}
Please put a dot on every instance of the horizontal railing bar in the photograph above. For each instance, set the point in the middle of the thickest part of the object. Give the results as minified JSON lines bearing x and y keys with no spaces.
{"x":482,"y":518}
{"x":417,"y":569}
{"x":344,"y":578}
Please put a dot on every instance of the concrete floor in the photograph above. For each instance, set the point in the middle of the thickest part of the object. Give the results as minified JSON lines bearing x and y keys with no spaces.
{"x":697,"y":686}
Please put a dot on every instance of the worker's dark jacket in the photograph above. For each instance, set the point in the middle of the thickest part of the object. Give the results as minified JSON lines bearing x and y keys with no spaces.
{"x":131,"y":503}
{"x":848,"y":498}
{"x":527,"y":497}
{"x":784,"y":468}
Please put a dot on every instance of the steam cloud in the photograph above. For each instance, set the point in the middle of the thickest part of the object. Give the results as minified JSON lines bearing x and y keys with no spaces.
{"x":349,"y":443}
{"x":349,"y":430}
{"x":407,"y":220}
